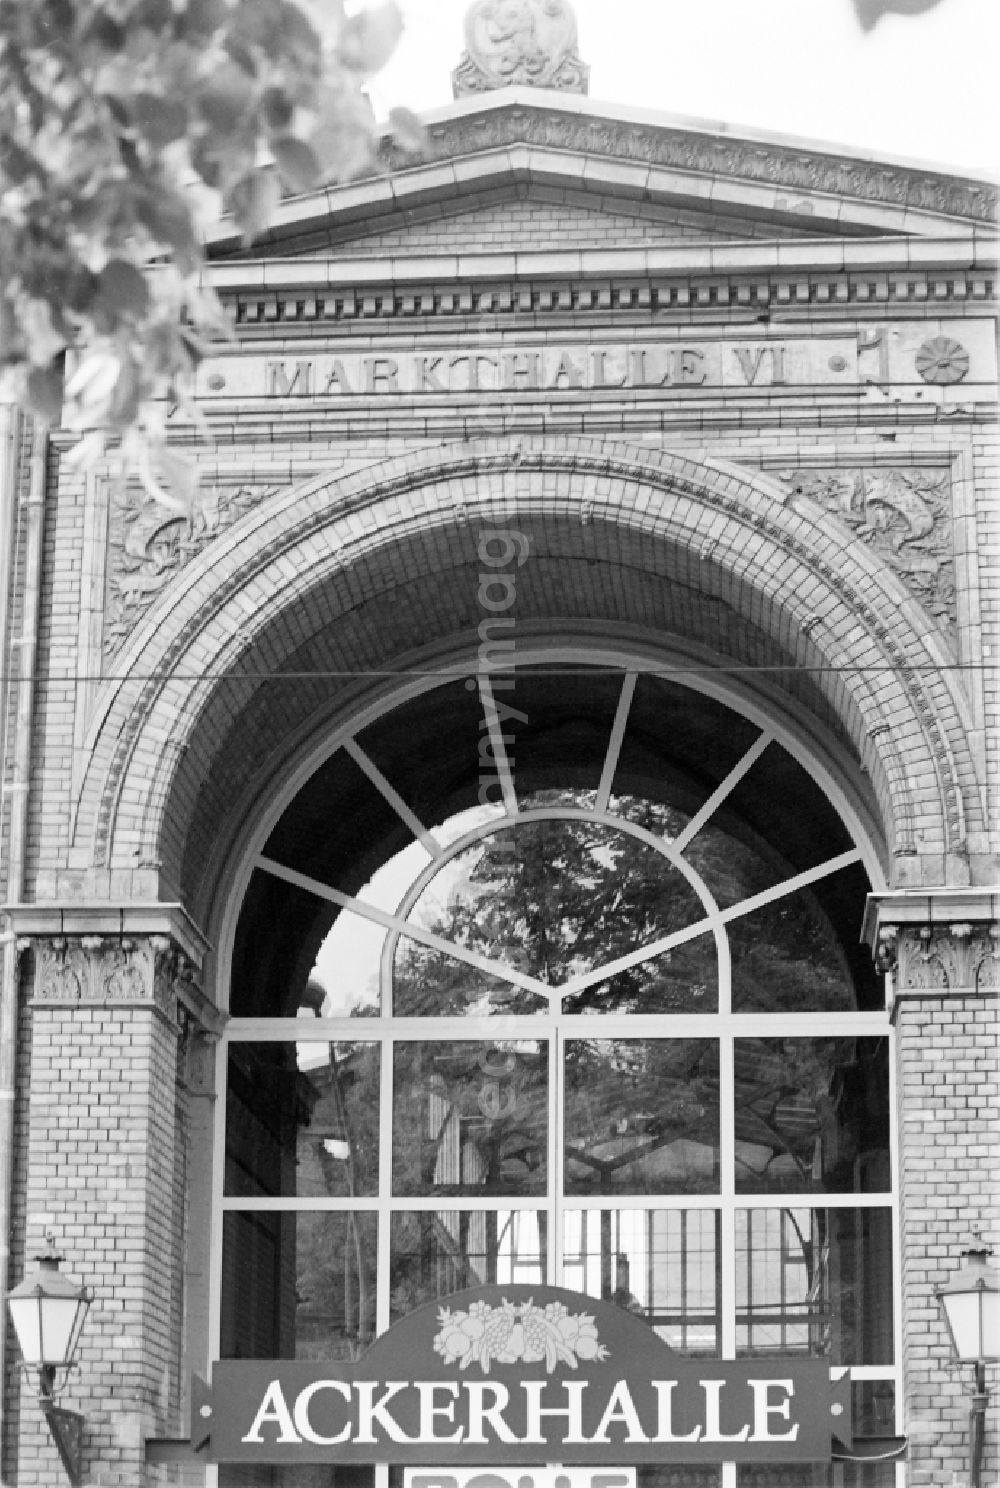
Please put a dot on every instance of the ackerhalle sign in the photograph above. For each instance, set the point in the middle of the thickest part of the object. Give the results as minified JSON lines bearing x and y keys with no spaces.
{"x":520,"y":1374}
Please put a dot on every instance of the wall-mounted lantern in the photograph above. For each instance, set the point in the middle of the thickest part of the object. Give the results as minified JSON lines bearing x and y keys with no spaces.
{"x":48,"y":1311}
{"x":970,"y":1303}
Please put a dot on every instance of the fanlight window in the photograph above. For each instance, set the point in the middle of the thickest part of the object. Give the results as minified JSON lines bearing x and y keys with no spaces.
{"x":556,"y":977}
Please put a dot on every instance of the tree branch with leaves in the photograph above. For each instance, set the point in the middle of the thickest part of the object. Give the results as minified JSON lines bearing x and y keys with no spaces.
{"x":126,"y":128}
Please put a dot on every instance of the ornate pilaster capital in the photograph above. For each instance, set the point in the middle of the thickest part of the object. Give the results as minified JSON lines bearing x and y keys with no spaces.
{"x":138,"y":956}
{"x":108,"y":971}
{"x":936,"y":943}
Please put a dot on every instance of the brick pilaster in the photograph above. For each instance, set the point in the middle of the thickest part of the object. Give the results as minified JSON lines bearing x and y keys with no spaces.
{"x":106,"y":1166}
{"x":946,"y":975}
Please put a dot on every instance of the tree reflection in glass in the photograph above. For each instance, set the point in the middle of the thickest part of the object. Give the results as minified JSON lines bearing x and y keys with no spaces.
{"x":812,"y":1114}
{"x":555,"y":900}
{"x":642,"y":1116}
{"x":470,"y":1118}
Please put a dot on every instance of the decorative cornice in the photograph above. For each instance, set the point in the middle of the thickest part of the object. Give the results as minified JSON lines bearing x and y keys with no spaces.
{"x":110,"y":922}
{"x":937,"y":907}
{"x":936,"y":943}
{"x":522,"y":122}
{"x":685,"y":294}
{"x":813,"y":276}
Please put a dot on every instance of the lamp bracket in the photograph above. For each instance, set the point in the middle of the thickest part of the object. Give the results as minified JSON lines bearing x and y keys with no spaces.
{"x":66,"y":1430}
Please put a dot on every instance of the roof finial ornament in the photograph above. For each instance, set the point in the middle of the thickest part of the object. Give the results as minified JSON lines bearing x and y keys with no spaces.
{"x":520,"y":43}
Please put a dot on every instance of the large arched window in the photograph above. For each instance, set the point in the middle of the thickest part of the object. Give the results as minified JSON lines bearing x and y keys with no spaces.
{"x":555,"y":975}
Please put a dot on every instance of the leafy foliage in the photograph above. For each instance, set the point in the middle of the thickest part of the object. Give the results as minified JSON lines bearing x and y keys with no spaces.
{"x":125,"y":127}
{"x":555,"y":900}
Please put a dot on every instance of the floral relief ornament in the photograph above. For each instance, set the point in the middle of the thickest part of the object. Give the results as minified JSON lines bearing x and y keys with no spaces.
{"x":943,"y":360}
{"x":517,"y":1334}
{"x":150,"y":543}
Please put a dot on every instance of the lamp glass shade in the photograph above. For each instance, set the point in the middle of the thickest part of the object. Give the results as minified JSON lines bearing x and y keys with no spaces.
{"x":970,"y":1302}
{"x":48,"y":1312}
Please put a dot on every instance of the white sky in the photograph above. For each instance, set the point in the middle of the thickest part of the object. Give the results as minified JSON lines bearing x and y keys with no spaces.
{"x":922,"y":87}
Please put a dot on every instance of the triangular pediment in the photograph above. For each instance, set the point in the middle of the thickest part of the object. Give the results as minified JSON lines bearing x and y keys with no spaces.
{"x":534,"y":171}
{"x":535,"y":219}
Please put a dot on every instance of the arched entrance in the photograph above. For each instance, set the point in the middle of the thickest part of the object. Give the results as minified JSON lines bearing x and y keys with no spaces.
{"x":346,"y":602}
{"x":301,"y":612}
{"x":548,"y":974}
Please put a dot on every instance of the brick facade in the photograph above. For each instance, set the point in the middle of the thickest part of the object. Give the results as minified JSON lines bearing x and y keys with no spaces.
{"x":822,"y":543}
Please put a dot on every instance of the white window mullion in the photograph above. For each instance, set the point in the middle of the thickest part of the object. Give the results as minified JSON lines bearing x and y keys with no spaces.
{"x":392,"y":797}
{"x":727,"y":1190}
{"x":384,"y":1242}
{"x":554,"y":1264}
{"x":615,"y":745}
{"x":897,"y":1246}
{"x":717,"y":797}
{"x":218,"y":1185}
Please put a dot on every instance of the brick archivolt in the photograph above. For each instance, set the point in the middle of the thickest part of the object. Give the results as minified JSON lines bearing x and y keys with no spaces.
{"x":254,"y":593}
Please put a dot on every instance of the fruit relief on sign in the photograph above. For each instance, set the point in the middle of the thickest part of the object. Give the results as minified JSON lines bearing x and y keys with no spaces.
{"x":519,"y":1375}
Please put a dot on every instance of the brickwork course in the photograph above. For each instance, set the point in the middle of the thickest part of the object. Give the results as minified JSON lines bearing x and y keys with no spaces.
{"x":741,"y":396}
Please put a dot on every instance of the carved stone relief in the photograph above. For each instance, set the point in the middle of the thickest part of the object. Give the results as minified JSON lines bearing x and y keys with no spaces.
{"x":110,"y":971}
{"x":529,"y":43}
{"x":904,"y":515}
{"x":947,"y":958}
{"x":796,"y":170}
{"x":150,"y":542}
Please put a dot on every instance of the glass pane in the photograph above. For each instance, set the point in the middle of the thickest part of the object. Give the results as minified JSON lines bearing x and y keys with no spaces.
{"x":874,"y":1408}
{"x":428,"y":983}
{"x":679,"y":745}
{"x":679,"y":1477}
{"x":785,"y":820}
{"x":819,"y":1475}
{"x":560,"y":741}
{"x":662,"y":1264}
{"x":470,"y":1118}
{"x":642,"y":1116}
{"x":297,"y":1285}
{"x":443,"y":725}
{"x":317,"y":836}
{"x":815,"y":1282}
{"x":682,"y":980}
{"x":302,"y":1120}
{"x":812,"y":1115}
{"x":802,"y":952}
{"x":306,"y":1475}
{"x":556,"y":900}
{"x":437,"y":1253}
